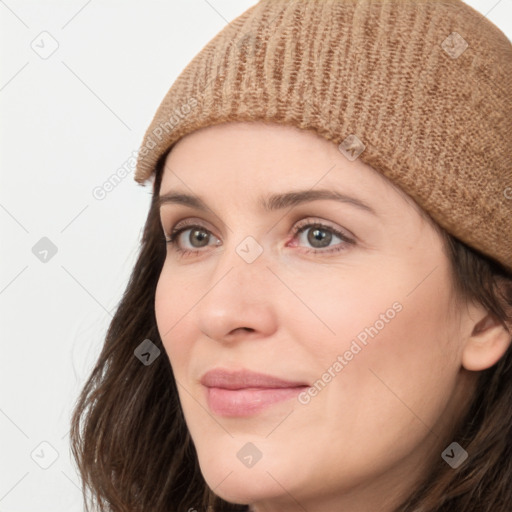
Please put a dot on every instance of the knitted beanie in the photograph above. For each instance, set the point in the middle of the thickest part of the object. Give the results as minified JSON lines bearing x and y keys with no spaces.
{"x":418,"y":89}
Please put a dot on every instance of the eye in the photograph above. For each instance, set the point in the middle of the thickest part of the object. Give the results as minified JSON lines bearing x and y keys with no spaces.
{"x":319,"y":236}
{"x":198,"y":237}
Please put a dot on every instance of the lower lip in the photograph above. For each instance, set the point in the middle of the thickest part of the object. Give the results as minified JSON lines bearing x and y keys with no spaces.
{"x":249,"y":401}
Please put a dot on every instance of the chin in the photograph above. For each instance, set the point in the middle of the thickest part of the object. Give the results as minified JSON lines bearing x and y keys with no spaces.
{"x":237,"y":484}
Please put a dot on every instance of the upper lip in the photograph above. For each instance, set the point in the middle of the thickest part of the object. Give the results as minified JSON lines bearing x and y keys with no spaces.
{"x":220,"y":378}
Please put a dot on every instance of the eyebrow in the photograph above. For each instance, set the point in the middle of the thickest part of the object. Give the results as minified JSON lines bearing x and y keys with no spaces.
{"x":271,"y":203}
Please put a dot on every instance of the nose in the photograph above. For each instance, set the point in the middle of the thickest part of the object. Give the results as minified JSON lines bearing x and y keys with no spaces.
{"x":240,"y":299}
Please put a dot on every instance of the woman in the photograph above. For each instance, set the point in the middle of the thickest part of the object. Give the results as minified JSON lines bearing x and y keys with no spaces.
{"x":320,"y":316}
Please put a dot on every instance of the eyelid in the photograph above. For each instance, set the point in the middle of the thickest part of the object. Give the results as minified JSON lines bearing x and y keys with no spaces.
{"x":313,"y":220}
{"x":190,"y":222}
{"x":305,"y":220}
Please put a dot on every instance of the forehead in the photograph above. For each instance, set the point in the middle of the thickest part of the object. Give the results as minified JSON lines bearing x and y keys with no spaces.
{"x":260,"y":154}
{"x":254,"y":142}
{"x":270,"y":157}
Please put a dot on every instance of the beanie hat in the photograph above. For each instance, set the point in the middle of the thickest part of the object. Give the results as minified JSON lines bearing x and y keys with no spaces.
{"x":418,"y":89}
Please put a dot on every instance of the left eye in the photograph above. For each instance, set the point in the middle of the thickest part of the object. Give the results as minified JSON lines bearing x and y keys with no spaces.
{"x":319,"y":236}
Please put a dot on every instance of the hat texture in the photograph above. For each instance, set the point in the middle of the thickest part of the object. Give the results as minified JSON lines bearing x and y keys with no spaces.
{"x":418,"y":89}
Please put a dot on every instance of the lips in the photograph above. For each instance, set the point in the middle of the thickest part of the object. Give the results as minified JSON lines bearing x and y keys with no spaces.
{"x":245,"y":393}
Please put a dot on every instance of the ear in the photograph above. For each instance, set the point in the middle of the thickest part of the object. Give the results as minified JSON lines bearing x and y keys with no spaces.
{"x":487,"y":343}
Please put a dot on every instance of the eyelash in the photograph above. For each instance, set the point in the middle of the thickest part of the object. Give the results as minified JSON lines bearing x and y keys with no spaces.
{"x":176,"y":232}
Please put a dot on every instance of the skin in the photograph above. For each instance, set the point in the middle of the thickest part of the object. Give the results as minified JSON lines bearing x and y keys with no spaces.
{"x":368,"y":436}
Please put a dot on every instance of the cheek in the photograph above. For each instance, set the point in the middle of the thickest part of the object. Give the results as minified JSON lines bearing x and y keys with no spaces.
{"x":399,"y":361}
{"x":173,"y":301}
{"x":398,"y":319}
{"x":392,"y":389}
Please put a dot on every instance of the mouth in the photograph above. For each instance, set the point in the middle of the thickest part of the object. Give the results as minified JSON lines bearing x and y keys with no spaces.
{"x":245,"y":393}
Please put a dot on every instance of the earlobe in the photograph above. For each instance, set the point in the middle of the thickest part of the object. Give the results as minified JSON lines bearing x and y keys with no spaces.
{"x":486,"y":345}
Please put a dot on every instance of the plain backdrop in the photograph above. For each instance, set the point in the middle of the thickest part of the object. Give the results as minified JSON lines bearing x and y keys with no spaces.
{"x":79,"y":83}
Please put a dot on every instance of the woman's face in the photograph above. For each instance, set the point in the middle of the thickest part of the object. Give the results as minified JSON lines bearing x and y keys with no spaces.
{"x":352,"y":313}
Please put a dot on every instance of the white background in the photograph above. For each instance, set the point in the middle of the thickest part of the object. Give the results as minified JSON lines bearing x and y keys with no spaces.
{"x":68,"y":122}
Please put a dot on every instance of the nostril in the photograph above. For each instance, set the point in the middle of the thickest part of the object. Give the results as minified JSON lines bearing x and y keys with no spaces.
{"x":247,"y":329}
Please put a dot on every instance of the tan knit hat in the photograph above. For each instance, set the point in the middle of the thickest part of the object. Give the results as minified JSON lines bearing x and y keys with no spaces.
{"x":418,"y":89}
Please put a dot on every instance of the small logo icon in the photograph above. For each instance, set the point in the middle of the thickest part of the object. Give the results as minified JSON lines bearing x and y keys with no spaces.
{"x":249,"y":42}
{"x":45,"y":45}
{"x":454,"y":45}
{"x":249,"y":455}
{"x":44,"y":250}
{"x":147,"y":352}
{"x":454,"y":455}
{"x":352,"y":147}
{"x":249,"y":249}
{"x":44,"y":455}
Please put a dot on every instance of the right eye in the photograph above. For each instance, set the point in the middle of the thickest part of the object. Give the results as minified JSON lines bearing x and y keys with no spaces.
{"x":197,"y":233}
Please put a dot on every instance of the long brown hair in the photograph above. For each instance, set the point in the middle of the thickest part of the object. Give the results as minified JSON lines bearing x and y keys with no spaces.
{"x":135,"y":454}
